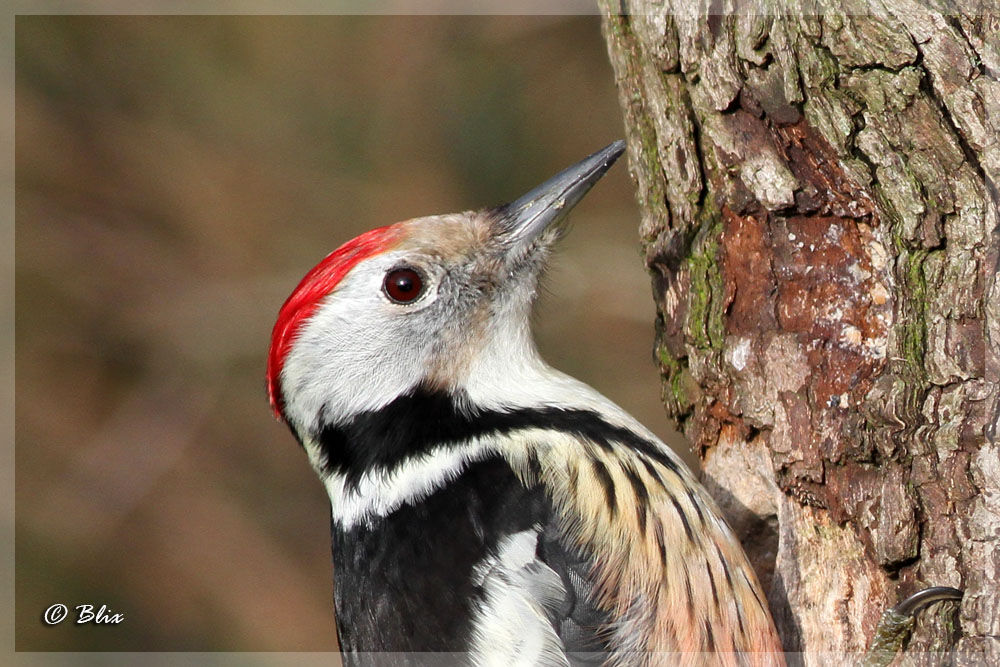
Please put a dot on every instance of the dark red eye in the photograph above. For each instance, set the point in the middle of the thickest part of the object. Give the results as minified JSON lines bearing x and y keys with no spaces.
{"x":403,"y":285}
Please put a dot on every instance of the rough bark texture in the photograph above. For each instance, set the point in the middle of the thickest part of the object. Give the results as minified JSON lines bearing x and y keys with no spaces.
{"x":819,"y":196}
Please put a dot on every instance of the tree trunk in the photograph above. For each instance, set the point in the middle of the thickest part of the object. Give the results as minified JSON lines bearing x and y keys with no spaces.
{"x":819,"y":202}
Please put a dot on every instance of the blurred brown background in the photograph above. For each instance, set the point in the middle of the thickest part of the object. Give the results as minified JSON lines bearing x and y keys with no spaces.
{"x":175,"y":177}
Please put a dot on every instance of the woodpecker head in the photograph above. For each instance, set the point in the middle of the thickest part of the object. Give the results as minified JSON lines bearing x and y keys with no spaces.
{"x":441,"y":302}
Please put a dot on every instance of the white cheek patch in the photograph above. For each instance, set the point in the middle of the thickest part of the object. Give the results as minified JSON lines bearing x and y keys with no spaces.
{"x":511,"y":626}
{"x":356,"y":353}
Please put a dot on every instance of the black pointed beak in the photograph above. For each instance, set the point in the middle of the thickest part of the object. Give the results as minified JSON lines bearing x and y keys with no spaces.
{"x":524,"y":219}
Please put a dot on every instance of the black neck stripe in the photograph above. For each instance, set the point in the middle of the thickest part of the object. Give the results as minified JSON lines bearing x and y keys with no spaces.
{"x":423,"y":419}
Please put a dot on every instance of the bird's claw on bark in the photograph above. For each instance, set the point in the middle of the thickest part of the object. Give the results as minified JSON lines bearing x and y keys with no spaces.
{"x":897,"y":622}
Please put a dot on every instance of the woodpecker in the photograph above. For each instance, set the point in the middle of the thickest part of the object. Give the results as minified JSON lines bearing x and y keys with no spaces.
{"x":483,"y":503}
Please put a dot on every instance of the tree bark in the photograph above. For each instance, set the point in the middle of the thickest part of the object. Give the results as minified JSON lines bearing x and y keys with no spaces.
{"x":819,"y":216}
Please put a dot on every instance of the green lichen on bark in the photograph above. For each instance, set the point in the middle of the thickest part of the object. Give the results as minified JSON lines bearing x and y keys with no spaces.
{"x":654,"y":199}
{"x":705,"y":325}
{"x":912,"y":329}
{"x":679,"y":388}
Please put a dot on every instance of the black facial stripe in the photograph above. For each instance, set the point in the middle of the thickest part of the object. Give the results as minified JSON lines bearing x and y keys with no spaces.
{"x":423,"y":419}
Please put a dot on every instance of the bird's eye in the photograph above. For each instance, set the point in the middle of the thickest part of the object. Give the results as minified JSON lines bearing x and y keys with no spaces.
{"x":403,"y":285}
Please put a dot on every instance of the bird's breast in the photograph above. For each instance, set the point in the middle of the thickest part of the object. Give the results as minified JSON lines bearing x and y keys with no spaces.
{"x":416,"y":579}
